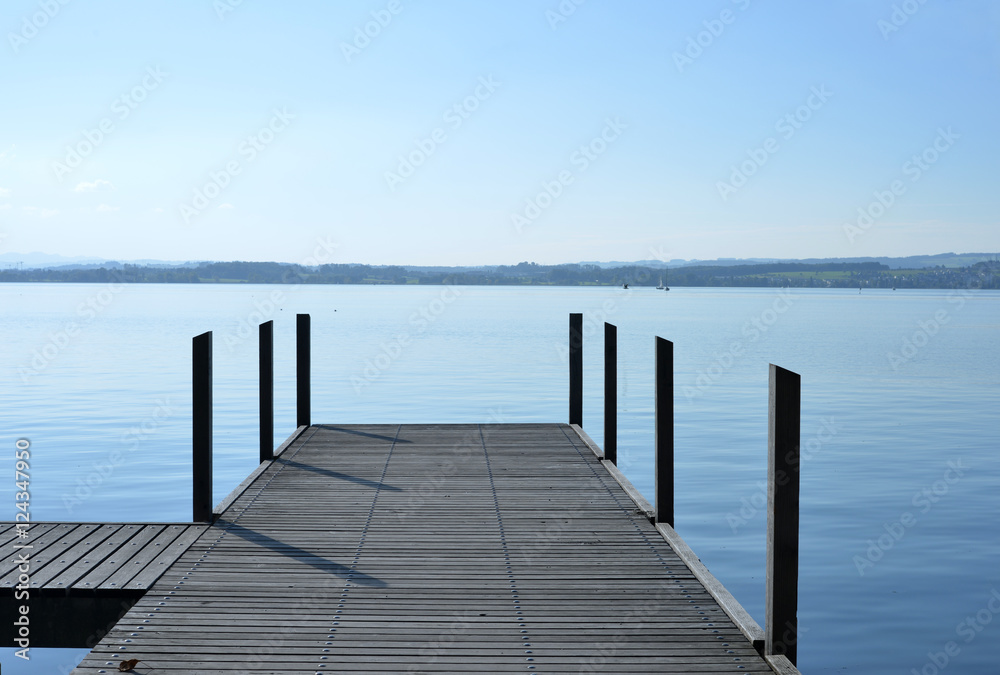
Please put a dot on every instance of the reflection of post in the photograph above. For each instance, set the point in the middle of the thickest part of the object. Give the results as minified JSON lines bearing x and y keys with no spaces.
{"x":302,"y":357}
{"x":576,"y":369}
{"x":663,"y":422}
{"x":266,"y":361}
{"x":781,"y":593}
{"x":201,"y":427}
{"x":611,"y":393}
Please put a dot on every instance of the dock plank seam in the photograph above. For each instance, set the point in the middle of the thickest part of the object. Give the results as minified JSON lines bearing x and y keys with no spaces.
{"x":525,"y":550}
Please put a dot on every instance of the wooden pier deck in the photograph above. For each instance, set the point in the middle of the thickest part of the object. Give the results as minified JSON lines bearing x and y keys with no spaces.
{"x":80,"y":559}
{"x":434,"y":548}
{"x":81,"y":577}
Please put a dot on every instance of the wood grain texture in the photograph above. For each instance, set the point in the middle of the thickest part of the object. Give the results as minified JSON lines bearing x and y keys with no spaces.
{"x":85,"y":558}
{"x":430,"y":548}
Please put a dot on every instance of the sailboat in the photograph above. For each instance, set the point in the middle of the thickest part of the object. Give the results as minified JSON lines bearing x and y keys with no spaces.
{"x":661,"y":287}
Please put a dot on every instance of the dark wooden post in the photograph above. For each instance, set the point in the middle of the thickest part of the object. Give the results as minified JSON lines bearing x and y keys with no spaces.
{"x":664,"y":432}
{"x":576,"y":369}
{"x":266,"y":361}
{"x":302,"y":358}
{"x":201,"y":399}
{"x":782,"y":580}
{"x":611,"y":393}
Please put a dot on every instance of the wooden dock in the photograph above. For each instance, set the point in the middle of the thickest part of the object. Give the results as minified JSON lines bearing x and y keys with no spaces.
{"x":415,"y":548}
{"x":79,"y":559}
{"x":426,"y":548}
{"x":81,"y":577}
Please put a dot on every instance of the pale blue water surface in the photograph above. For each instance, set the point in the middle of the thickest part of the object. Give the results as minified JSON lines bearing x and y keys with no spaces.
{"x":896,"y":387}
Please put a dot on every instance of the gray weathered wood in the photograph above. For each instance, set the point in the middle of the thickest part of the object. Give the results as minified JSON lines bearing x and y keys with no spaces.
{"x":70,"y":558}
{"x":431,"y":548}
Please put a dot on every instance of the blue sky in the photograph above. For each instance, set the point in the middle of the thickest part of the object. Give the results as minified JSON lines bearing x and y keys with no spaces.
{"x":484,"y":133}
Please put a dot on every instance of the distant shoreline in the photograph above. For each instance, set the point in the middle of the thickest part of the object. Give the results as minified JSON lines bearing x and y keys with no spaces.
{"x":984,"y":275}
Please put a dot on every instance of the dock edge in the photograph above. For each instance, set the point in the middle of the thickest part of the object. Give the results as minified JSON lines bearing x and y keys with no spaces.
{"x":730,"y":605}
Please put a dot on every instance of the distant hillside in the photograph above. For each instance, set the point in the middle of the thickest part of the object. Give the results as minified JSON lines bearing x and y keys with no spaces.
{"x":47,"y":261}
{"x":909,"y":262}
{"x":774,"y":274}
{"x":36,"y":260}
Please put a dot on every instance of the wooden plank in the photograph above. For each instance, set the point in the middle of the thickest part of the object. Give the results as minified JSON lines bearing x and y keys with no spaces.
{"x":39,"y":537}
{"x":162,"y":537}
{"x":101,"y":556}
{"x":170,"y":554}
{"x":120,"y":559}
{"x":432,"y":548}
{"x":261,"y":468}
{"x":72,"y":575}
{"x":8,"y":533}
{"x":60,"y":554}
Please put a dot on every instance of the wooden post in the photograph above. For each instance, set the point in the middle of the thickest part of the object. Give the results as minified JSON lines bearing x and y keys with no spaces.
{"x":576,"y":369}
{"x":302,"y":367}
{"x":201,"y":399}
{"x":266,"y":362}
{"x":782,"y":579}
{"x":610,"y":393}
{"x":664,"y":432}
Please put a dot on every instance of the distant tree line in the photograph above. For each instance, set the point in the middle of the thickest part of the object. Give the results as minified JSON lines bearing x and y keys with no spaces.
{"x":820,"y":275}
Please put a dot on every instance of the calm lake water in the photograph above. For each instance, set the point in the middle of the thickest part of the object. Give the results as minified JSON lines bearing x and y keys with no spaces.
{"x":900,"y":534}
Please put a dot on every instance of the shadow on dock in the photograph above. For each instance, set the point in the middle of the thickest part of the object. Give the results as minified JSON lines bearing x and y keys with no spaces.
{"x":339,"y":476}
{"x":300,"y":554}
